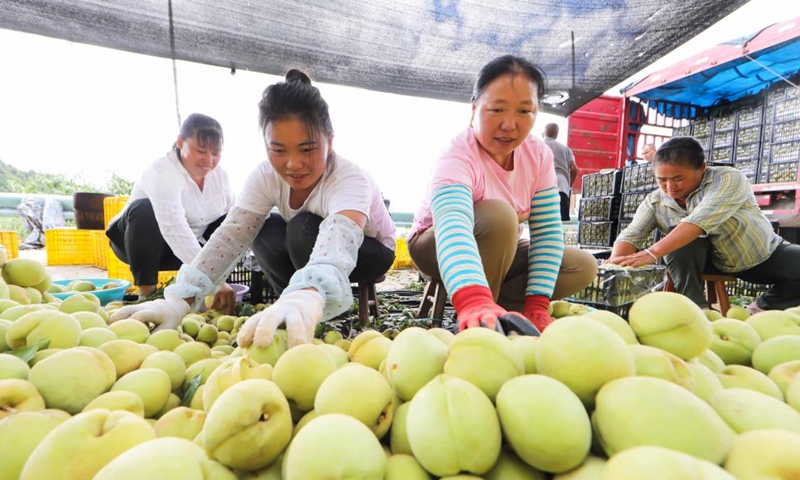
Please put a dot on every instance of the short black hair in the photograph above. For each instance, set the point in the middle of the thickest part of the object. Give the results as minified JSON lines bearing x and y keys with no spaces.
{"x":681,"y":151}
{"x":508,"y":64}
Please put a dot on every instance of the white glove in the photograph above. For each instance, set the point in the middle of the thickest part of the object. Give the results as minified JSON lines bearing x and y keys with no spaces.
{"x":300,"y":310}
{"x":163,"y":313}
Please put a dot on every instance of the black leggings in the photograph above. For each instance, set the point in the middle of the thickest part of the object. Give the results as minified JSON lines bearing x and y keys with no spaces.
{"x":686,"y":266}
{"x":137,"y":241}
{"x":281,"y":249}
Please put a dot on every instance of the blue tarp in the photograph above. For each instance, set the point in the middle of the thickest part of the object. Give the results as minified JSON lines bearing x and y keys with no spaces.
{"x":721,"y":84}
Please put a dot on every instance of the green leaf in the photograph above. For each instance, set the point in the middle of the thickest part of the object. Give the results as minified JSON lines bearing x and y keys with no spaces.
{"x":194,"y":384}
{"x":27,"y":353}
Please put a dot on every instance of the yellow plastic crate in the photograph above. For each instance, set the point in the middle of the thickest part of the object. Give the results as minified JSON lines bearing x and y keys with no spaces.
{"x":69,"y":246}
{"x":119,"y":269}
{"x":111,"y":207}
{"x":402,"y":260}
{"x":10,"y":240}
{"x":101,"y":248}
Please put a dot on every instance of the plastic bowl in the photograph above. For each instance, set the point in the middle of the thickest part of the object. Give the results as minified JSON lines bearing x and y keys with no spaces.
{"x":240,"y":290}
{"x":105,"y":296}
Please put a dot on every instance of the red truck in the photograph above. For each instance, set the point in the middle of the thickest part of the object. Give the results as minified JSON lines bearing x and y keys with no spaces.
{"x":741,"y":99}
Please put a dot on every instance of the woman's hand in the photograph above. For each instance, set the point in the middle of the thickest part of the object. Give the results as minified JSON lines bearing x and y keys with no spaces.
{"x":637,"y":259}
{"x":162,"y":313}
{"x":300,"y":310}
{"x":224,"y":300}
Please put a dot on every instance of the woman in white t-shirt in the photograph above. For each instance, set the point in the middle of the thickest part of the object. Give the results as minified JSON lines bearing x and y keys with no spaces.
{"x":331,"y":227}
{"x":174,"y":208}
{"x":491,"y":180}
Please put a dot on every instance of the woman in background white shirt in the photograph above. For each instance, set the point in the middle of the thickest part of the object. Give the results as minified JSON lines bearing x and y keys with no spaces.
{"x":176,"y":205}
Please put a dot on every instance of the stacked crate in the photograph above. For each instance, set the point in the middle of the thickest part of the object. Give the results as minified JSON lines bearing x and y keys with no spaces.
{"x":761,"y":138}
{"x":599,"y":209}
{"x":637,"y":182}
{"x":781,"y":138}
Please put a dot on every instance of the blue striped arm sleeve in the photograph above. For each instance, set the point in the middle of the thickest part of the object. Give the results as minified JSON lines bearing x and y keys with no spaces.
{"x":547,"y":243}
{"x":456,"y":250}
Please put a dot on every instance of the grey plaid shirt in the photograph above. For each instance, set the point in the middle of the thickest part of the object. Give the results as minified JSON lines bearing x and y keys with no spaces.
{"x":724,"y":207}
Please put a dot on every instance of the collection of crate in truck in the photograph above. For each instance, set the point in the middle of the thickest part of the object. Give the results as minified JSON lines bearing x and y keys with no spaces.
{"x":760,"y":137}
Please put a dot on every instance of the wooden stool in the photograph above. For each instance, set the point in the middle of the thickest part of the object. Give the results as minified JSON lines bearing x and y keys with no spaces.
{"x":715,"y":289}
{"x":368,"y":300}
{"x":435,"y":296}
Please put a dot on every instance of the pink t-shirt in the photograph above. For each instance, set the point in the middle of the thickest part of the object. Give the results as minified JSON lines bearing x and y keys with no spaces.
{"x":464,"y":162}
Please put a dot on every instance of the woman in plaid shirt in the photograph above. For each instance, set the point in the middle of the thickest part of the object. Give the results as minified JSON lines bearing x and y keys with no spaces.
{"x":712,"y":224}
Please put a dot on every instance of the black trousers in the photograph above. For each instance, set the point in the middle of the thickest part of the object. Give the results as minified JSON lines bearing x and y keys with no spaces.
{"x":781,"y":270}
{"x":564,"y":206}
{"x":283,"y":248}
{"x":137,"y":241}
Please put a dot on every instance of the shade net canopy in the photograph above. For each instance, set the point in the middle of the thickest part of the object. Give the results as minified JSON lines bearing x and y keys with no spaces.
{"x":732,"y":71}
{"x":424,"y":48}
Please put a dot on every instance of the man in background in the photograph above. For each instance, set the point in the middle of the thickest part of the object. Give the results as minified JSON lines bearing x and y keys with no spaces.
{"x":649,"y":152}
{"x":566,"y":168}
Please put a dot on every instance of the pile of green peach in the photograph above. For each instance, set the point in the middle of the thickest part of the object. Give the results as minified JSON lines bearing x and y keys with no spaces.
{"x":25,"y":281}
{"x":669,"y":394}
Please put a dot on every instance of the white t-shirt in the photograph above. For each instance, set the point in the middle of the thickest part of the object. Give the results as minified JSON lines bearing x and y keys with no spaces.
{"x":182,"y":210}
{"x":344,"y":186}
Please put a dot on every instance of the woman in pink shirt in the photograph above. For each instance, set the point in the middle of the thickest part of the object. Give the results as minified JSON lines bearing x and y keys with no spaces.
{"x":492,"y":178}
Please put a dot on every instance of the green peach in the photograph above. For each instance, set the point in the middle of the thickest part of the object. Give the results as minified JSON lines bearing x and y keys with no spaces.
{"x":17,"y":395}
{"x":60,"y":329}
{"x":414,"y":358}
{"x":482,"y":357}
{"x":319,"y":452}
{"x":249,"y":425}
{"x":130,"y":329}
{"x":151,"y":384}
{"x":774,"y":323}
{"x":24,"y":272}
{"x":81,"y":302}
{"x":746,"y":410}
{"x":19,"y":295}
{"x":783,"y":374}
{"x":230,"y":372}
{"x":445,"y":336}
{"x":556,"y":442}
{"x":764,"y":455}
{"x":369,"y":348}
{"x":671,"y":322}
{"x":96,"y":336}
{"x":398,"y":436}
{"x":13,"y":367}
{"x":734,"y":341}
{"x":165,"y":339}
{"x":706,"y":382}
{"x":591,"y":469}
{"x":637,"y":411}
{"x":181,"y":422}
{"x":511,"y":467}
{"x":270,"y":353}
{"x":70,"y":379}
{"x":452,"y":427}
{"x":616,"y":323}
{"x":710,"y":360}
{"x":659,"y":463}
{"x":191,"y":352}
{"x":654,"y":362}
{"x":82,"y":445}
{"x":21,"y":433}
{"x":299,"y":373}
{"x":739,"y":376}
{"x":34,"y":295}
{"x":338,"y":355}
{"x":571,"y":344}
{"x":525,"y":347}
{"x":202,"y":368}
{"x":169,"y":362}
{"x":127,"y":355}
{"x":173,"y":458}
{"x":89,"y":320}
{"x":17,"y":311}
{"x":775,"y":351}
{"x":405,"y":467}
{"x":120,"y":400}
{"x":358,"y":391}
{"x":738,"y":313}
